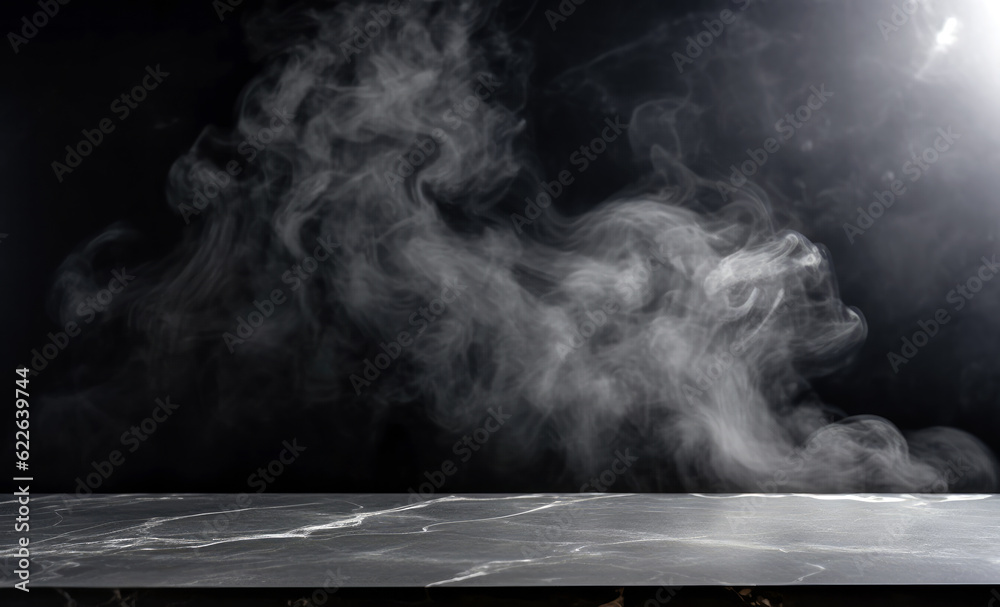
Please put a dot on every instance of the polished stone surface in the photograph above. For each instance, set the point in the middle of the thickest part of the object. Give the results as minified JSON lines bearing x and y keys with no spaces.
{"x":312,"y":540}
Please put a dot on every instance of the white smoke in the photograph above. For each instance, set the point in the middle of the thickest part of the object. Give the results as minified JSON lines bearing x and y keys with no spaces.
{"x":690,"y":333}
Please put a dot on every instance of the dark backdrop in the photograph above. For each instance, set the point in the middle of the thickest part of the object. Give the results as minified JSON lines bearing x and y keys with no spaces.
{"x":64,"y":78}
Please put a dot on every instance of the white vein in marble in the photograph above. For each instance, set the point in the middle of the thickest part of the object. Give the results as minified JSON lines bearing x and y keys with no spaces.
{"x":373,"y":540}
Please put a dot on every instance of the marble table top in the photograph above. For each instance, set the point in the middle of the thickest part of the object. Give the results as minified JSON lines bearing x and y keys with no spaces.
{"x":598,"y":539}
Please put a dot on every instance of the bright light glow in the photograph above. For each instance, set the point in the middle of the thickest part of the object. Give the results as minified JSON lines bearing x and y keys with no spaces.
{"x":947,"y":36}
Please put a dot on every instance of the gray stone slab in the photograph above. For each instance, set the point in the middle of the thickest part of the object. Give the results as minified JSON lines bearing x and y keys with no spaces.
{"x":312,"y":540}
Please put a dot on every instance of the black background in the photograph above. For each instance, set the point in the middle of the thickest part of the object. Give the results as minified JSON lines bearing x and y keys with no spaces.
{"x":63,"y":80}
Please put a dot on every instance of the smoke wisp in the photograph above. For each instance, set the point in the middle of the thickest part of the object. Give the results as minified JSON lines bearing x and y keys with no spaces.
{"x":663,"y":318}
